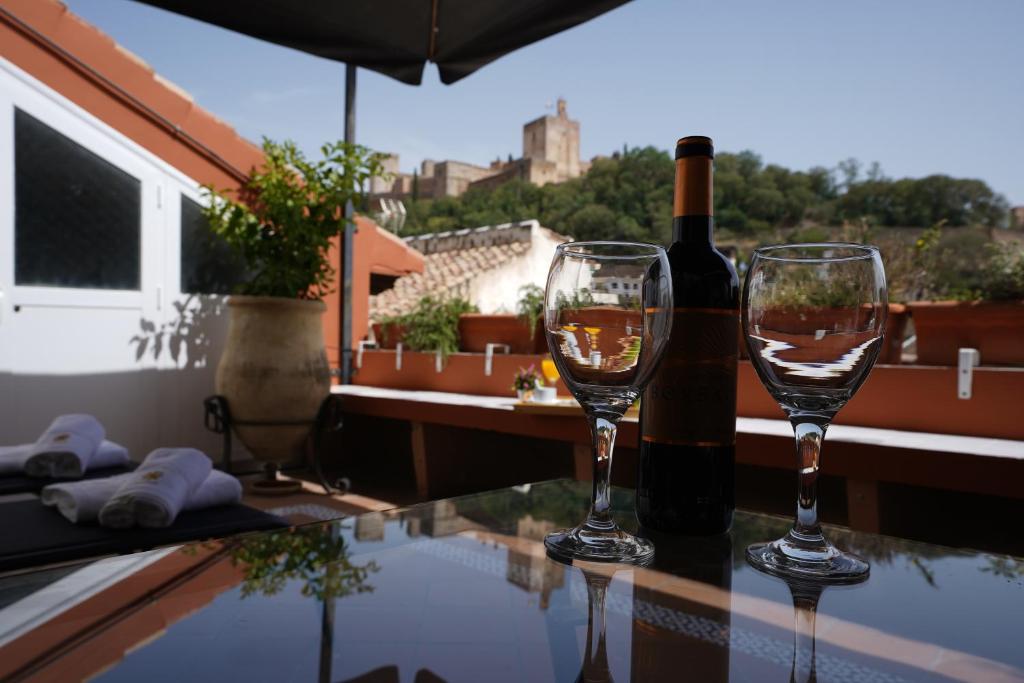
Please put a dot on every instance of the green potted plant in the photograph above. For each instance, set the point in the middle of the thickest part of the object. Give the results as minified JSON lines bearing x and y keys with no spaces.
{"x":903,"y":274}
{"x":432,"y":326}
{"x":974,"y":299}
{"x":530,"y":308}
{"x":281,"y":223}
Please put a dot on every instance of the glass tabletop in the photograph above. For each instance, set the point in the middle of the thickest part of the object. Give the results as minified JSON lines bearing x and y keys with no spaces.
{"x":461,"y":590}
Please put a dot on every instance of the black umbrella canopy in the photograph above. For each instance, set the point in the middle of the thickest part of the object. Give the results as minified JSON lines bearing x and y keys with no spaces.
{"x":397,"y":37}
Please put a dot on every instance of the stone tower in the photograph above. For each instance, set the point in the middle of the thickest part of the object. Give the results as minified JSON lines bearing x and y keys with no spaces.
{"x":552,"y":145}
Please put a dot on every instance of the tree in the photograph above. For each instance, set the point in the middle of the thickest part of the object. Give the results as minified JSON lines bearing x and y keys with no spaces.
{"x":629,"y":196}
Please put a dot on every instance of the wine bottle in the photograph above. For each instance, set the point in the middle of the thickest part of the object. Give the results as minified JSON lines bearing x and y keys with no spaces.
{"x":675,"y":621}
{"x":688,"y":411}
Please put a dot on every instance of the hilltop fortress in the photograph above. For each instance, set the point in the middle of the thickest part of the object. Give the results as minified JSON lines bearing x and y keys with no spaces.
{"x":551,"y":154}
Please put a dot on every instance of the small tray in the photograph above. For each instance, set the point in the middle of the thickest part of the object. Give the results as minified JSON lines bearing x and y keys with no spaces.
{"x":563,"y":406}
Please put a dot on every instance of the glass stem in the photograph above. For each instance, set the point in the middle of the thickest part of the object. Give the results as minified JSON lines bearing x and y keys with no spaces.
{"x":805,"y":606}
{"x":809,"y":436}
{"x":603,"y":438}
{"x":595,"y":666}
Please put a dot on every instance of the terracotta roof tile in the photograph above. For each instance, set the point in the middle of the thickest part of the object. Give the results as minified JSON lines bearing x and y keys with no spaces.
{"x":445,"y":274}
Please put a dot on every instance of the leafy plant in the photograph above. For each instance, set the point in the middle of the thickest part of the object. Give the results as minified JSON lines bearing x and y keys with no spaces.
{"x":629,"y":196}
{"x":286,"y":213}
{"x":962,"y":265}
{"x":530,"y":306}
{"x":581,"y":298}
{"x":432,"y":326}
{"x":1003,"y":273}
{"x":315,"y":555}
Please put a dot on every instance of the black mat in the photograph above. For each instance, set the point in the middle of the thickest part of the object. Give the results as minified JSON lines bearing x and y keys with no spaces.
{"x":21,"y":484}
{"x":32,"y":534}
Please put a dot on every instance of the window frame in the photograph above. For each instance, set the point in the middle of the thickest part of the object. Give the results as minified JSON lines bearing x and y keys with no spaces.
{"x":83,"y":129}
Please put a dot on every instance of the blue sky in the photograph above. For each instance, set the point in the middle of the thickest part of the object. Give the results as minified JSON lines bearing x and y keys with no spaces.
{"x":921,"y":86}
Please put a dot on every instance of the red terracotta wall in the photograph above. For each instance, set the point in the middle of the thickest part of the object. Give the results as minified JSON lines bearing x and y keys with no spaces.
{"x":120,"y":96}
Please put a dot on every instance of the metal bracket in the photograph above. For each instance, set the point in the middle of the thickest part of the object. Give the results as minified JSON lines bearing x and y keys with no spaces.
{"x":489,"y":356}
{"x":398,"y":356}
{"x":363,"y":344}
{"x":968,"y":359}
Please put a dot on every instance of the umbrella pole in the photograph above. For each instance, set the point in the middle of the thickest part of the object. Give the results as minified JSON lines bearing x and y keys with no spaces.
{"x":350,"y":229}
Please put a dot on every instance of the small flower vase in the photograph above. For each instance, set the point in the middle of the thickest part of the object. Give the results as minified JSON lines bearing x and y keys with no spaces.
{"x":545,"y":395}
{"x":524,"y":394}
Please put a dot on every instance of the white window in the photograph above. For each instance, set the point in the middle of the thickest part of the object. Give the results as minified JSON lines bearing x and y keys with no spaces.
{"x":208,"y":265}
{"x":77,"y":217}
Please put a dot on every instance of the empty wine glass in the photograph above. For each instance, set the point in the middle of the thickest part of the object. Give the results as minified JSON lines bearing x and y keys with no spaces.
{"x":813,"y":316}
{"x":607,"y":317}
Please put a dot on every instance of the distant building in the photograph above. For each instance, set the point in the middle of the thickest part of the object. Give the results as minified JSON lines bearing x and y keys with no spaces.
{"x":486,"y":266}
{"x":551,"y":154}
{"x":1017,"y":217}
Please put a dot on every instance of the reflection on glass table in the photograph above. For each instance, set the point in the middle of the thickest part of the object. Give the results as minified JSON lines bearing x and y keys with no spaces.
{"x":462,"y":590}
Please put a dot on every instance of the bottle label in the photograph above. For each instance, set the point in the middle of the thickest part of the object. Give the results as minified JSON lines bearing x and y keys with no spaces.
{"x":691,"y":401}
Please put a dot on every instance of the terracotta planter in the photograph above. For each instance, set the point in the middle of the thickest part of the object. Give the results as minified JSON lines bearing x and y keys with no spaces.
{"x":540,"y":341}
{"x":811,"y":319}
{"x":477,"y":330}
{"x":944,"y":327}
{"x":388,"y":336}
{"x":895,"y":331}
{"x":274,"y":369}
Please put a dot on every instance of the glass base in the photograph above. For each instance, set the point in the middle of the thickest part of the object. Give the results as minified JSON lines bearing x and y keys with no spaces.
{"x":595,"y":543}
{"x":811,"y":558}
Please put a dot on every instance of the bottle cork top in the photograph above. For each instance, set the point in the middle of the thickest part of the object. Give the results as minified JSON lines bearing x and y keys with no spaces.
{"x":695,"y":145}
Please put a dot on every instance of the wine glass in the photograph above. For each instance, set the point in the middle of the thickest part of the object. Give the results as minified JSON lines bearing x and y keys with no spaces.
{"x":607,"y":317}
{"x":813,"y":316}
{"x":595,"y":668}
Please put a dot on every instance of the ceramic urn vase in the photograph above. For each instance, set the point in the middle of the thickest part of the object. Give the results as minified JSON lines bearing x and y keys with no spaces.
{"x":274,"y":369}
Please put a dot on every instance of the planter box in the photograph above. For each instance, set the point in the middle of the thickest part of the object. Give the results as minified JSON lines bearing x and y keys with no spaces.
{"x":995,"y":329}
{"x":462,"y":373}
{"x":388,"y":336}
{"x":895,"y":331}
{"x":905,"y":397}
{"x":477,"y":330}
{"x":892,"y":346}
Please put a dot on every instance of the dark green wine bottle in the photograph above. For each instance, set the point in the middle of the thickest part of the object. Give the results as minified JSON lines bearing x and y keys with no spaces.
{"x":685,"y":483}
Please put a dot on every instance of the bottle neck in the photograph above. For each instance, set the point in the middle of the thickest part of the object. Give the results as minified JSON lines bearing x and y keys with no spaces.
{"x":693,"y":230}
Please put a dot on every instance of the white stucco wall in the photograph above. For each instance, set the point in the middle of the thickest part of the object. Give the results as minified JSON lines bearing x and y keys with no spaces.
{"x":497,"y":291}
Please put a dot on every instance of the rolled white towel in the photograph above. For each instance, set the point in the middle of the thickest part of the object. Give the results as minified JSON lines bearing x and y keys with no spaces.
{"x":66,"y":446}
{"x":13,"y":458}
{"x":81,"y":501}
{"x":153,"y":495}
{"x":219,"y":488}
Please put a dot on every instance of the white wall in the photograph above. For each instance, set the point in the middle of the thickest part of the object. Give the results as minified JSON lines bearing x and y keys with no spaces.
{"x":497,"y":291}
{"x":81,"y":350}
